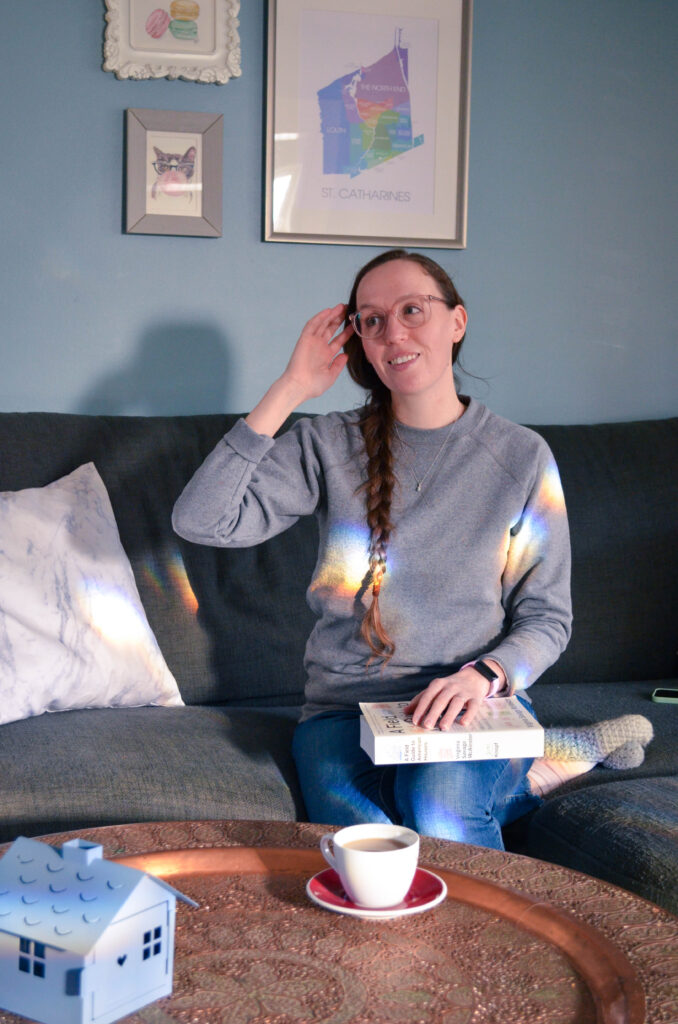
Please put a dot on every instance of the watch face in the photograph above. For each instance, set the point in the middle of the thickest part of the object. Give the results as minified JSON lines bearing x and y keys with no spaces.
{"x":486,"y":671}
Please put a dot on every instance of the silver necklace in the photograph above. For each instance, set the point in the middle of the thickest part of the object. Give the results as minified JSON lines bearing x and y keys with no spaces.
{"x":420,"y":483}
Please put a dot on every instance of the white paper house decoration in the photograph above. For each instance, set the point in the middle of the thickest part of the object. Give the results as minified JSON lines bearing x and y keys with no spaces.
{"x":82,"y":939}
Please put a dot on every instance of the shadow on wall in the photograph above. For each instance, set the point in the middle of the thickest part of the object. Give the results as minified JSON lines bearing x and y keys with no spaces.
{"x":179,"y":369}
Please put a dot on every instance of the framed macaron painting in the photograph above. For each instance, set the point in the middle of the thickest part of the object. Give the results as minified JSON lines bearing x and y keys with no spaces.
{"x":192,"y":39}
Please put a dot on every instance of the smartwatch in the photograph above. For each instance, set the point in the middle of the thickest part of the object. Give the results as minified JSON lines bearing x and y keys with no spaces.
{"x":485,"y":670}
{"x":489,"y":674}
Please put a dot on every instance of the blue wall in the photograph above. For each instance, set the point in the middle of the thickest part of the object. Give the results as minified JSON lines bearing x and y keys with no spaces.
{"x":569,"y":273}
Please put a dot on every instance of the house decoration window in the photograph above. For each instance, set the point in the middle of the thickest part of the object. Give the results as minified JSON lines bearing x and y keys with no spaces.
{"x":32,"y":957}
{"x":152,"y":943}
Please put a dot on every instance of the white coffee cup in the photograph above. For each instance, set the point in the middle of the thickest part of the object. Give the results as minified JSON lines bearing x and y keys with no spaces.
{"x":376,"y":863}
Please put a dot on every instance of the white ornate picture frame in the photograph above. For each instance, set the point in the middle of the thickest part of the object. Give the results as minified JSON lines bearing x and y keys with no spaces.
{"x":196,"y":40}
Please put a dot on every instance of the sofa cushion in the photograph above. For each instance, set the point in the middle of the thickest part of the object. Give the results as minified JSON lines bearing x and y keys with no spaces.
{"x":232,"y":624}
{"x":73,"y":632}
{"x":581,"y":704}
{"x":147,"y":764}
{"x":621,"y":490}
{"x":623,"y":832}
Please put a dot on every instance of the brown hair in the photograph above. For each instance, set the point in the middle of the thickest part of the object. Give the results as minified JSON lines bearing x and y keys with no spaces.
{"x":376,"y":425}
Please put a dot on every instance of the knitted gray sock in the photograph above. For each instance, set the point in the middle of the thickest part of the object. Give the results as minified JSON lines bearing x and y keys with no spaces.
{"x":629,"y":755}
{"x":617,"y":742}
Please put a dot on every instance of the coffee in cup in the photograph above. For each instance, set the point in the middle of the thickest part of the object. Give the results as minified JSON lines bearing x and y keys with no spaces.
{"x":373,"y":845}
{"x":375,"y":863}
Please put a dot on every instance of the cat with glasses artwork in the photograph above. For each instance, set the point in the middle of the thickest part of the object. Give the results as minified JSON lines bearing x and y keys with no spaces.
{"x":174,"y":174}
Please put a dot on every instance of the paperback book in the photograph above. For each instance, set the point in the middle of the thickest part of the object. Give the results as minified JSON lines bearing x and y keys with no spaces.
{"x":501,"y":729}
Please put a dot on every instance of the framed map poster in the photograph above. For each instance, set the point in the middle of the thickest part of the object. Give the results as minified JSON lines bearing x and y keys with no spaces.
{"x":368,"y":122}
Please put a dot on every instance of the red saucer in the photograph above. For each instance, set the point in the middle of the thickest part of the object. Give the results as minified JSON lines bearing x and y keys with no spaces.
{"x":426,"y":891}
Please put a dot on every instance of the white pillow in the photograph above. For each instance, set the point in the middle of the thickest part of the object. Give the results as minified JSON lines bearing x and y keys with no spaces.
{"x":73,"y":632}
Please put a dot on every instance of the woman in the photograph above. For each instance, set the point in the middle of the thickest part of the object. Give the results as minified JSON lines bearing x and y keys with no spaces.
{"x":443,"y":567}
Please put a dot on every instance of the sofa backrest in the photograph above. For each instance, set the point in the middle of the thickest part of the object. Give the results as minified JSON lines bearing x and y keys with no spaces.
{"x":233,"y":624}
{"x":621,"y":489}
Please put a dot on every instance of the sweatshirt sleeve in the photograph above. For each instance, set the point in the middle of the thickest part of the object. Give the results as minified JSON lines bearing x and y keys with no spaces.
{"x":536,"y":581}
{"x":250,"y":488}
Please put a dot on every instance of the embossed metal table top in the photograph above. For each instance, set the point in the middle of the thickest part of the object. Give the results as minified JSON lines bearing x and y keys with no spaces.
{"x":517,"y":941}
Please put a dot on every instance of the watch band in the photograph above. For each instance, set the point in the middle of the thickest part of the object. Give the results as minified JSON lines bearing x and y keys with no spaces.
{"x":489,"y":674}
{"x":485,"y":671}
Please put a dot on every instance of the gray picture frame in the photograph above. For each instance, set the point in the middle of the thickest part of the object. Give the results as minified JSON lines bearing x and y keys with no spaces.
{"x":210,"y":128}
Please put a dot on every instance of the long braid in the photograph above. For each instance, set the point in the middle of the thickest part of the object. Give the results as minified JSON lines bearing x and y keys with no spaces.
{"x":377,"y":427}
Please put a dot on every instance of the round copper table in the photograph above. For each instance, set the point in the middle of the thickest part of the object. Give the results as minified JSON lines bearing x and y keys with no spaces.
{"x":517,"y":941}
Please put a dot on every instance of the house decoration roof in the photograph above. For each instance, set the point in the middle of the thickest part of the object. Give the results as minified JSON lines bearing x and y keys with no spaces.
{"x":67,"y":897}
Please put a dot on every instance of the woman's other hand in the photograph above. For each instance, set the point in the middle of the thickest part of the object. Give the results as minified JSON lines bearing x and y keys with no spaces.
{"x":445,"y":698}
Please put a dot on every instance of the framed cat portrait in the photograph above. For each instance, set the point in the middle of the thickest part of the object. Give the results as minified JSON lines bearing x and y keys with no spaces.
{"x":192,"y":39}
{"x":174,"y":173}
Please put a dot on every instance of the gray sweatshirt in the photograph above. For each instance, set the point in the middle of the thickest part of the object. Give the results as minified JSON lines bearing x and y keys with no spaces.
{"x":478,"y":564}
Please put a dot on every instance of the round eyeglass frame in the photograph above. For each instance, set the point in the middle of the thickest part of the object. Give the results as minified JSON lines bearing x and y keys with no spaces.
{"x":393,"y":311}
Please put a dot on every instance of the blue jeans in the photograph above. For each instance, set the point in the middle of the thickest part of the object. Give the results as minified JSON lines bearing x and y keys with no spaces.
{"x":466,"y":801}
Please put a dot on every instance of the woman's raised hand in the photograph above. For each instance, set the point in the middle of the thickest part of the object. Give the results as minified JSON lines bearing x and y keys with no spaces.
{"x":317,"y":359}
{"x":315,"y":364}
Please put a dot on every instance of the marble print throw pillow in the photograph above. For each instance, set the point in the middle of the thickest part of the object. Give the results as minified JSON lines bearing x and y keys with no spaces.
{"x":73,"y":631}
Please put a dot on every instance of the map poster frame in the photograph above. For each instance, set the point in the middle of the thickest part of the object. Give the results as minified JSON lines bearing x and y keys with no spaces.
{"x":367,"y":122}
{"x":173,"y":173}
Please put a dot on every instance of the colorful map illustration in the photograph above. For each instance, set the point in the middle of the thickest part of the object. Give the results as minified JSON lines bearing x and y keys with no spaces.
{"x":366,"y":115}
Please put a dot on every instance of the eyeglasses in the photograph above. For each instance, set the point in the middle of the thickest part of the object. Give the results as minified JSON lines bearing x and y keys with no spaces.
{"x":185,"y":167}
{"x":413,"y":311}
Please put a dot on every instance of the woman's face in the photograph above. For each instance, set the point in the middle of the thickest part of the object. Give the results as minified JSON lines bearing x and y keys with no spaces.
{"x":413,"y":362}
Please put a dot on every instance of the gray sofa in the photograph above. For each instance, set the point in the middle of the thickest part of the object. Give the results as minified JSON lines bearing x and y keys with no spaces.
{"x":238,"y":659}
